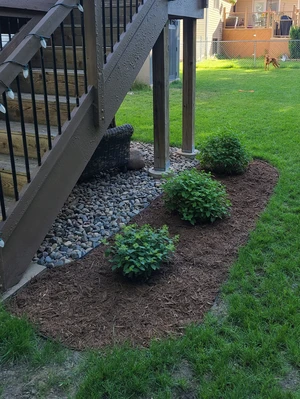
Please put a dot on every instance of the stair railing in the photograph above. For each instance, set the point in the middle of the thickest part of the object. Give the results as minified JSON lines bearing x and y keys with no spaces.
{"x":116,"y":15}
{"x":29,"y":68}
{"x":53,"y":85}
{"x":9,"y":27}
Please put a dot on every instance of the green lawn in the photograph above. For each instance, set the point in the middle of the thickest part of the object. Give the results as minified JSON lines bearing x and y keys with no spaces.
{"x":250,"y":348}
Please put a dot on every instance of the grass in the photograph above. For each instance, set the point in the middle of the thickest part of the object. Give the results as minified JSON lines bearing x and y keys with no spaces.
{"x":248,"y":347}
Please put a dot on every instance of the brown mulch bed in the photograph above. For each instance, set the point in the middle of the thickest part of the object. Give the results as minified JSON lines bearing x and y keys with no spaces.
{"x":85,"y":304}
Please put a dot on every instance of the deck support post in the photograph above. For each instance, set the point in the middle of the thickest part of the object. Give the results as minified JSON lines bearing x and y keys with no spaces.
{"x":189,"y":84}
{"x":160,"y":63}
{"x":94,"y":56}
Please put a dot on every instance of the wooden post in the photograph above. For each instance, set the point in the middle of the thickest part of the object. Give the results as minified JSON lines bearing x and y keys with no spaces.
{"x":268,"y":20}
{"x":189,"y":84}
{"x":94,"y":55}
{"x":160,"y":67}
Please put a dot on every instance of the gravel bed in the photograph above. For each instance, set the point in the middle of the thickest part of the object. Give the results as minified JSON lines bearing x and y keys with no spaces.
{"x":100,"y":207}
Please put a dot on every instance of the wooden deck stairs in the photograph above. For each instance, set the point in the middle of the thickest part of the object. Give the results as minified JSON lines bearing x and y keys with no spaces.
{"x":69,"y":72}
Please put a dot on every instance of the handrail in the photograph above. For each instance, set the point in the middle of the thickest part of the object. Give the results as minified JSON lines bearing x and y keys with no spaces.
{"x":31,"y":44}
{"x":54,"y":95}
{"x":52,"y":109}
{"x":18,"y":37}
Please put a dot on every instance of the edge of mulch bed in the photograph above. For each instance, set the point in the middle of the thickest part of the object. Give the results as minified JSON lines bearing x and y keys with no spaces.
{"x":85,"y":305}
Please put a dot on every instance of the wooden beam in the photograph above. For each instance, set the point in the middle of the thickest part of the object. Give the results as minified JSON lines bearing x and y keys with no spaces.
{"x":17,"y":39}
{"x":189,"y":84}
{"x":94,"y":56}
{"x":160,"y":63}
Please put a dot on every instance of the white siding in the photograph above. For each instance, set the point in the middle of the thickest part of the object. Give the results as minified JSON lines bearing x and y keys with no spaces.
{"x":209,"y":28}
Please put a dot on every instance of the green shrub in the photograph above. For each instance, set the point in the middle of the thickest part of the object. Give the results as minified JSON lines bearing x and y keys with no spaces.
{"x":294,"y":43}
{"x":223,"y":154}
{"x":139,"y":251}
{"x":196,"y":196}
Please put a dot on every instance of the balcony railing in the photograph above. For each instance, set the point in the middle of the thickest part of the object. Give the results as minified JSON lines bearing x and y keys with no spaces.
{"x":9,"y":26}
{"x":280,"y":22}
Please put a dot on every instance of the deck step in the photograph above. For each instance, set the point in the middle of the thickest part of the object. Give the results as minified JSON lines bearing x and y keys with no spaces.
{"x":14,"y":113}
{"x":48,"y":58}
{"x":9,"y":203}
{"x":50,"y":81}
{"x":68,"y":37}
{"x":16,"y":133}
{"x":6,"y":175}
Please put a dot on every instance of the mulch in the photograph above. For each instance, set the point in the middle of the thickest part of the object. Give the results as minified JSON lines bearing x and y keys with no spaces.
{"x":86,"y":305}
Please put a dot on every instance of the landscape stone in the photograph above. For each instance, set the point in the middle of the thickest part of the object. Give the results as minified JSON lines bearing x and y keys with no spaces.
{"x":97,"y":209}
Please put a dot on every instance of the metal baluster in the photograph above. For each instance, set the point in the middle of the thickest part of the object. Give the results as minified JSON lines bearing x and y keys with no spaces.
{"x":44,"y":78}
{"x":74,"y":58}
{"x":137,"y":6}
{"x":104,"y":30}
{"x":1,"y":45}
{"x":35,"y":120}
{"x":130,"y":11}
{"x":65,"y":69}
{"x":118,"y":20}
{"x":2,"y":202}
{"x":11,"y":149}
{"x":23,"y":130}
{"x":84,"y":51}
{"x":124,"y":14}
{"x":9,"y":30}
{"x":56,"y":85}
{"x":111,"y":27}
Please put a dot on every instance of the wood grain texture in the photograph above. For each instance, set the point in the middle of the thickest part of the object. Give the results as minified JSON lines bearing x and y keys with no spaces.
{"x":14,"y":113}
{"x":189,"y":84}
{"x":48,"y":58}
{"x":7,"y":183}
{"x":160,"y":62}
{"x":50,"y":81}
{"x":17,"y":140}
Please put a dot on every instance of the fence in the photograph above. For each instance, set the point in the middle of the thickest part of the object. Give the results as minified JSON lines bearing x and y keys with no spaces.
{"x":249,"y":53}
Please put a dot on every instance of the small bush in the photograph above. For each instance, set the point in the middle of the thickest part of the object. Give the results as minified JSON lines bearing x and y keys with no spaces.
{"x":223,"y":154}
{"x":139,"y":251}
{"x":294,"y":44}
{"x":196,"y":196}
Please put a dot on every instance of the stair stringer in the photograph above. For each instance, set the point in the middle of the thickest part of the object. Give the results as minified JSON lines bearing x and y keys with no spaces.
{"x":41,"y":200}
{"x":130,"y":54}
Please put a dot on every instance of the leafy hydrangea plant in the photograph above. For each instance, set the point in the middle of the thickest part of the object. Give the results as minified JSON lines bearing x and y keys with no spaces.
{"x":139,"y":251}
{"x":196,"y":196}
{"x":224,"y":154}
